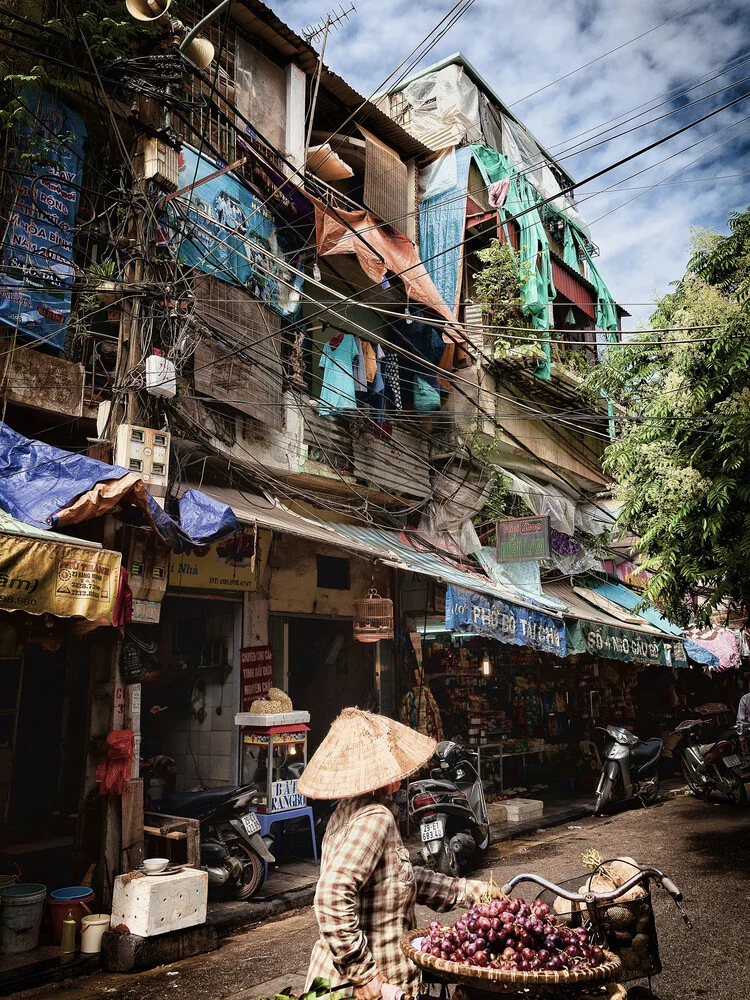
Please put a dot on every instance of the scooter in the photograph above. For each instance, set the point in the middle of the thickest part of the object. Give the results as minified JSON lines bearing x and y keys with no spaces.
{"x":233,"y":851}
{"x":630,"y":768}
{"x":723,"y":766}
{"x":451,"y":811}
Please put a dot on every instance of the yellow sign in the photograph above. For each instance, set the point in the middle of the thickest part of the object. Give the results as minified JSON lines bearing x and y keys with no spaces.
{"x":231,"y":564}
{"x":43,"y":577}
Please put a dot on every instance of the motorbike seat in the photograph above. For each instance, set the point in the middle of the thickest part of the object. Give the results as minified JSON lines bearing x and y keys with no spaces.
{"x":647,"y":753}
{"x":706,"y":748}
{"x":198,"y":803}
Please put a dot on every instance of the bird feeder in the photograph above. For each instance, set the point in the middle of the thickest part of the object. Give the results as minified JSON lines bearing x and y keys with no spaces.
{"x":373,"y":618}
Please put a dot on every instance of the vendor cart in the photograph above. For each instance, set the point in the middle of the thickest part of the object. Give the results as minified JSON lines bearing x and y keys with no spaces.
{"x":612,"y":921}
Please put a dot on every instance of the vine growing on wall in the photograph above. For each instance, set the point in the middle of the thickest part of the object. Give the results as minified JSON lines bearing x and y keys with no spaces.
{"x":498,"y":291}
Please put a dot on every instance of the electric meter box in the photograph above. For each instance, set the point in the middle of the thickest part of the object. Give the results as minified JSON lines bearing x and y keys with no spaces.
{"x":159,"y":162}
{"x":146,"y":452}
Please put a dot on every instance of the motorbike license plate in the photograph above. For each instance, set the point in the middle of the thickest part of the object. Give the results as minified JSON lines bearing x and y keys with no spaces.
{"x":732,"y":760}
{"x":250,"y":823}
{"x":432,"y":831}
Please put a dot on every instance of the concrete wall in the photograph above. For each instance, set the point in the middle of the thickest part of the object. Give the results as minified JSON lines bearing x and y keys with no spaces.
{"x":293,"y":585}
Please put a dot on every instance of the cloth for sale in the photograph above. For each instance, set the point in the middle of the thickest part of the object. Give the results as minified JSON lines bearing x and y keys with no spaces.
{"x":47,"y":487}
{"x":397,"y":254}
{"x":420,"y":712}
{"x":339,"y":384}
{"x":722,"y":647}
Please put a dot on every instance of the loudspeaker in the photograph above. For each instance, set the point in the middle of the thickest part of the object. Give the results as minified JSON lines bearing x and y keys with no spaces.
{"x":200,"y":52}
{"x":147,"y":10}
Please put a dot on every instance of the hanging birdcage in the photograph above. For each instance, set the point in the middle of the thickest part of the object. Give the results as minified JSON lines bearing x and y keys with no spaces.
{"x":373,"y":617}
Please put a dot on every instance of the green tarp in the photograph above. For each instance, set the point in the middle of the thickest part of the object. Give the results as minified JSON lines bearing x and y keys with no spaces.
{"x":613,"y":643}
{"x":535,"y":263}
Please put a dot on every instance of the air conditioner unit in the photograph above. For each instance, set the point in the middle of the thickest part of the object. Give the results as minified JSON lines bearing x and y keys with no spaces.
{"x":145,"y":451}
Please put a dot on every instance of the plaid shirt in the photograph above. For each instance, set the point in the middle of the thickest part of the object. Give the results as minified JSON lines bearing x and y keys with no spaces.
{"x":366,"y":896}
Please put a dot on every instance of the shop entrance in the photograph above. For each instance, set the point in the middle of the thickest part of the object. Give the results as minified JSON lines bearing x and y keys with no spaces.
{"x":327,"y":670}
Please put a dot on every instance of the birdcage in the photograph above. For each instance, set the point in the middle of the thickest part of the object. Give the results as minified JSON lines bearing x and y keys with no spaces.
{"x":373,"y":617}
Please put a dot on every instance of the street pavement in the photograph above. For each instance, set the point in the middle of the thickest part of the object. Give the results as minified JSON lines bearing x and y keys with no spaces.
{"x":703,"y":847}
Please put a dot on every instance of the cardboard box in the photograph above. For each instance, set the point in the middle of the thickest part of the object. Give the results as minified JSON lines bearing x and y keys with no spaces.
{"x":523,"y":810}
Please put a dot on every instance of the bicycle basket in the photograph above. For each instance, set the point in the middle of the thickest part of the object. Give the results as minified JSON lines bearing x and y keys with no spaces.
{"x":625,"y":927}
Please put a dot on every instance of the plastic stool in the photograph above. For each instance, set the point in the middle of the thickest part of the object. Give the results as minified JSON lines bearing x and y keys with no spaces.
{"x":267,"y":820}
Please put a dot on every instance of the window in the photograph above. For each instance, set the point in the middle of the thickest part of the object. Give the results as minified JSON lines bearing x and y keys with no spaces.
{"x":333,"y":573}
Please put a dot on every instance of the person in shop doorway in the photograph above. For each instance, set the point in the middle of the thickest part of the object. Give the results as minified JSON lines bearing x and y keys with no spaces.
{"x":743,"y":711}
{"x":367,"y":891}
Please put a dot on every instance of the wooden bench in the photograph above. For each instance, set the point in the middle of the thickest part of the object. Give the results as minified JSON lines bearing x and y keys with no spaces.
{"x":173,"y":837}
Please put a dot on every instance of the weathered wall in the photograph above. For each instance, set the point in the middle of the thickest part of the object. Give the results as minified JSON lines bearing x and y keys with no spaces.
{"x":293,"y":585}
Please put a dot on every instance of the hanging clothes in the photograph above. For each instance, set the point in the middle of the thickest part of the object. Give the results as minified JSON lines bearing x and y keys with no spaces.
{"x":360,"y":375}
{"x":392,"y":378}
{"x":339,"y":386}
{"x":370,"y":360}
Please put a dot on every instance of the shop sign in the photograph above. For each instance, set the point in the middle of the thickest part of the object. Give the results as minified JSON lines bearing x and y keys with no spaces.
{"x":284,"y":795}
{"x":36,"y":292}
{"x":256,"y":663}
{"x":230,"y":564}
{"x":611,"y":643}
{"x":53,"y":578}
{"x":522,"y":539}
{"x":469,"y":612}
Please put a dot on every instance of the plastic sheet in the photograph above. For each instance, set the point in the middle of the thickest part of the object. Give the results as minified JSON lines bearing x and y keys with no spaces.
{"x":444,"y":108}
{"x":116,"y":766}
{"x":48,"y":487}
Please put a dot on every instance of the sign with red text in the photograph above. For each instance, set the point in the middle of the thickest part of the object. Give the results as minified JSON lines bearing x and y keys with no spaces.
{"x":256,"y":663}
{"x":522,"y":539}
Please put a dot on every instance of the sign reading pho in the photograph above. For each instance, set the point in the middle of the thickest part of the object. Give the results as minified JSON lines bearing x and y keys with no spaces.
{"x":469,"y":612}
{"x":522,"y":539}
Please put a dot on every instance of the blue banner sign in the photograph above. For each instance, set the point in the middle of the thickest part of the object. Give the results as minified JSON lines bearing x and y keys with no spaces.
{"x":231,"y":235}
{"x":37,"y":273}
{"x":469,"y":612}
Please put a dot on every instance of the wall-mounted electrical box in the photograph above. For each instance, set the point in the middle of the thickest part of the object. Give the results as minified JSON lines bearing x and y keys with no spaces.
{"x":146,"y":558}
{"x":145,"y":451}
{"x":159,"y":163}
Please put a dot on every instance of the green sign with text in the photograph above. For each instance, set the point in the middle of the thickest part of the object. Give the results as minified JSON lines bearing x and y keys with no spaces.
{"x":522,"y":539}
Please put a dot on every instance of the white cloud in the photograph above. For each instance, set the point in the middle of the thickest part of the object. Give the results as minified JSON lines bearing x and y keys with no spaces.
{"x":521,"y":47}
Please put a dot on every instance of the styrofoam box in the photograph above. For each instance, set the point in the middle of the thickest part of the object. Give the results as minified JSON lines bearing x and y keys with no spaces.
{"x":280,"y":719}
{"x":157,"y":904}
{"x":520,"y":810}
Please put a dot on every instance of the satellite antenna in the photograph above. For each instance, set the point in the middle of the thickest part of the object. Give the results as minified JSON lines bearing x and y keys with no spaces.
{"x":311,"y":33}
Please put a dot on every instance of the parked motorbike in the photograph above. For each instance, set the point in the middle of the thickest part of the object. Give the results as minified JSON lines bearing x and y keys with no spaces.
{"x":232,"y":848}
{"x":722,"y":766}
{"x":450,"y":809}
{"x":630,"y":768}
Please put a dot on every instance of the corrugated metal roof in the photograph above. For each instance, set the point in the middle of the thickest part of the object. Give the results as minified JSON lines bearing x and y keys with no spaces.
{"x":12,"y":526}
{"x":390,"y":547}
{"x":582,"y":610}
{"x":263,"y":22}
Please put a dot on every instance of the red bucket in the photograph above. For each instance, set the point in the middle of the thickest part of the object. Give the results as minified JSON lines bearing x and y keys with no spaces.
{"x":76,"y":900}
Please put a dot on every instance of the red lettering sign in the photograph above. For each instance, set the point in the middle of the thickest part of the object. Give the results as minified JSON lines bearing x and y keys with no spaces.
{"x":256,"y":663}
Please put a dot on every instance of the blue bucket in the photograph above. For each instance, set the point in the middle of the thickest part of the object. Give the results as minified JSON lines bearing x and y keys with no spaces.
{"x":71,"y":894}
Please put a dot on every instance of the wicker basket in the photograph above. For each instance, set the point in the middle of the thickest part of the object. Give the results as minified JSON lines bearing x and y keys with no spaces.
{"x":628,"y":927}
{"x":497,"y":981}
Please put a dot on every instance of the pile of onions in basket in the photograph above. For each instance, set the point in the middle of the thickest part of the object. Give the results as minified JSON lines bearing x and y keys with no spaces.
{"x":513,"y":935}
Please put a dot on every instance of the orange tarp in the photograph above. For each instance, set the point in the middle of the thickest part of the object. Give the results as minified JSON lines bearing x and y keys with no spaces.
{"x":398,"y":253}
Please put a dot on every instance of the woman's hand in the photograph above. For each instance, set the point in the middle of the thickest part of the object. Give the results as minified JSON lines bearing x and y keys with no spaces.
{"x":371,"y":990}
{"x":476,"y":890}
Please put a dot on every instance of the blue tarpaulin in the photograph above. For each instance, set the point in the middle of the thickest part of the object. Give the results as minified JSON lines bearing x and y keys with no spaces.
{"x":618,"y":593}
{"x":510,"y":623}
{"x":37,"y":481}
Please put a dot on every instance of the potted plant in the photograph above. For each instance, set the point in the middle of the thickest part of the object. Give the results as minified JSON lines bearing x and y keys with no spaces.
{"x":102,"y":279}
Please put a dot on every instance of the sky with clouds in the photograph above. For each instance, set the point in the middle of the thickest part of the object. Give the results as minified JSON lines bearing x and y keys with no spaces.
{"x":521,"y":47}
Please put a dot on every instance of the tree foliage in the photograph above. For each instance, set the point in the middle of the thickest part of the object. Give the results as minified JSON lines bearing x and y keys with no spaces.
{"x":681,"y":462}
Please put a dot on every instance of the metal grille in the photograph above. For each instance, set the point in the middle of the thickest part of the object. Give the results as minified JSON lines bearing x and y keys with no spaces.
{"x":219,"y":131}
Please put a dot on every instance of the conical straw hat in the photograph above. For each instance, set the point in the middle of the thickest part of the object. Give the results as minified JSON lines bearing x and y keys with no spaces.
{"x":363,"y":752}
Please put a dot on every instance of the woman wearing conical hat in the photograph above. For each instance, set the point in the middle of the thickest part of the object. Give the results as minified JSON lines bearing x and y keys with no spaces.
{"x":368,"y":889}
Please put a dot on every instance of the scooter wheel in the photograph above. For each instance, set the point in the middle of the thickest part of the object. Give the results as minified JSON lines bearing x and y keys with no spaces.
{"x":603,"y":797}
{"x":253,"y":871}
